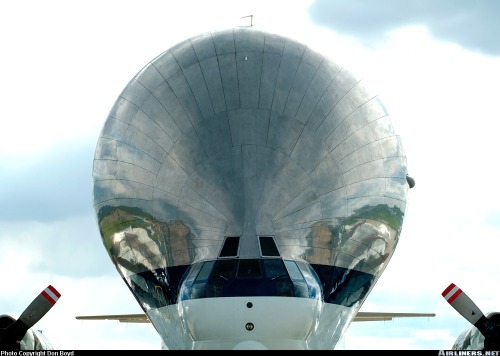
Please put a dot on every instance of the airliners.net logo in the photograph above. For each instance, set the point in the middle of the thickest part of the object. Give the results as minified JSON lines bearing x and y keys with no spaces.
{"x":468,"y":353}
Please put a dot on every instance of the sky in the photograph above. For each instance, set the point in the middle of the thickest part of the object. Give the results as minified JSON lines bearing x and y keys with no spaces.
{"x":435,"y":65}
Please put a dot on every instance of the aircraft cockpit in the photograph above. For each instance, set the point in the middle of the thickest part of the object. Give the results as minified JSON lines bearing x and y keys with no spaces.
{"x":232,"y":276}
{"x":250,"y":277}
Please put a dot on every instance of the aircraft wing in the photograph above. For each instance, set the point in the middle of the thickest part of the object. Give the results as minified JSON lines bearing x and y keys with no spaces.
{"x":361,"y":316}
{"x":122,"y":318}
{"x":379,"y":316}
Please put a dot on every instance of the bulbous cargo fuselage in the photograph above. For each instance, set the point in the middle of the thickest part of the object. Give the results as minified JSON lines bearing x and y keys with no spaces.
{"x":242,"y":148}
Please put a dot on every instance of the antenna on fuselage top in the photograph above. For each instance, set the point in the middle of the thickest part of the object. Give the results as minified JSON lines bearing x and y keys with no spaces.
{"x":251,"y":20}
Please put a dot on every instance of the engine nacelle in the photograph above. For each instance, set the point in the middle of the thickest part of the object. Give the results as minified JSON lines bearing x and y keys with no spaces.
{"x":473,"y":339}
{"x":32,"y":340}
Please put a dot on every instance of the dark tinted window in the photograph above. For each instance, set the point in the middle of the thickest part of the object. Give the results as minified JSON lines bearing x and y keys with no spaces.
{"x":230,"y":248}
{"x":205,"y":271}
{"x":274,"y":268}
{"x":268,"y":246}
{"x":224,"y":269}
{"x":249,"y":269}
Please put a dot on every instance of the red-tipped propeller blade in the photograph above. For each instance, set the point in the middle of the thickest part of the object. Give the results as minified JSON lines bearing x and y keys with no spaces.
{"x":40,"y":306}
{"x":462,"y":303}
{"x":469,"y":310}
{"x":15,"y":332}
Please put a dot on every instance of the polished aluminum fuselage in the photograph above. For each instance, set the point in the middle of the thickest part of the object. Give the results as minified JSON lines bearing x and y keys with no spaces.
{"x":246,"y":133}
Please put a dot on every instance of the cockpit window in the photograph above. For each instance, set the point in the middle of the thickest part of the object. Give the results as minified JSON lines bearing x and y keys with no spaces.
{"x":274,"y":269}
{"x":268,"y":247}
{"x":249,"y":269}
{"x":293,"y":270}
{"x":224,"y":269}
{"x":273,"y":276}
{"x":230,"y":247}
{"x":205,"y":271}
{"x":193,"y":272}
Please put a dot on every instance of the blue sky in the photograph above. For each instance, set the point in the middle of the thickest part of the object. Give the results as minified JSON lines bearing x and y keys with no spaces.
{"x":435,"y":64}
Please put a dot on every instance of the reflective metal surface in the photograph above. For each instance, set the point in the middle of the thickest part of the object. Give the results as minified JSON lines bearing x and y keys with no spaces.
{"x":246,"y":133}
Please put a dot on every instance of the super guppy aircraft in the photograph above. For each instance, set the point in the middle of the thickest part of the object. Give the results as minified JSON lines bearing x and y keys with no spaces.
{"x":250,"y":192}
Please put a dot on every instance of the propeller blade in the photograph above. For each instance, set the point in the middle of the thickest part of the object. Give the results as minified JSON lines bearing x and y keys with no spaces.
{"x":31,"y":315}
{"x":469,"y":310}
{"x":462,"y":303}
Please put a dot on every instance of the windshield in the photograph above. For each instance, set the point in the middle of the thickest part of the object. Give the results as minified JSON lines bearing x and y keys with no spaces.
{"x":250,"y":277}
